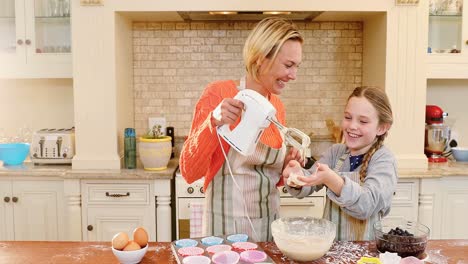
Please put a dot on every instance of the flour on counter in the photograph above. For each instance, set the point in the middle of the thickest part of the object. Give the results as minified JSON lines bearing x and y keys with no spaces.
{"x":343,"y":252}
{"x":434,"y":256}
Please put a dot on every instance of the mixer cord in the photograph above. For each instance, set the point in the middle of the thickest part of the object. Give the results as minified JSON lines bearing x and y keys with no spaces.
{"x":238,"y":188}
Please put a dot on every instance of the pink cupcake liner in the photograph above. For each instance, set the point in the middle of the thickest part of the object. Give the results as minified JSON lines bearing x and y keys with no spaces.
{"x":253,"y":256}
{"x":243,"y":246}
{"x":218,"y":248}
{"x":190,"y":251}
{"x":226,"y":257}
{"x":196,"y":260}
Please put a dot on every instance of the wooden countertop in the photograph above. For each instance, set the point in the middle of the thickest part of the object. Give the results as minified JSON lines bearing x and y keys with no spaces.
{"x":39,"y":252}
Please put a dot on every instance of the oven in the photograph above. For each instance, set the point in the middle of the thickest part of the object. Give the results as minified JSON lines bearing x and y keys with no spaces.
{"x":311,"y":205}
{"x":189,"y":197}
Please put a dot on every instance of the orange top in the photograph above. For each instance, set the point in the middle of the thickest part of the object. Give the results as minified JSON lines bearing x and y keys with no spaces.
{"x":201,"y":154}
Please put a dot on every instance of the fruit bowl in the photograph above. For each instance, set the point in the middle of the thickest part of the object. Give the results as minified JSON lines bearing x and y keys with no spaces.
{"x":303,"y":238}
{"x":406,"y":238}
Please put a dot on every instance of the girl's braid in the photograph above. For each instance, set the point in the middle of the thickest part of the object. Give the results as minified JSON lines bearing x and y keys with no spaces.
{"x":367,"y":157}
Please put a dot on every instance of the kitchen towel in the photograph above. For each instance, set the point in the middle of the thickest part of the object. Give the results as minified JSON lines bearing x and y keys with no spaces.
{"x":196,"y":218}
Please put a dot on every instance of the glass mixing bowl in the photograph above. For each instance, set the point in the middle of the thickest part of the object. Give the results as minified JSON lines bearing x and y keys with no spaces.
{"x":406,"y":238}
{"x":303,"y":238}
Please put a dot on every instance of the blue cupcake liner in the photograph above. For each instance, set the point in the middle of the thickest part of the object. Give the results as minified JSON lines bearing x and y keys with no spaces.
{"x":238,"y":238}
{"x":186,"y":243}
{"x":211,"y":241}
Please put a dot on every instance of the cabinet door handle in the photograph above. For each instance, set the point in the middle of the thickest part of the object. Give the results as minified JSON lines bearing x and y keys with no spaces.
{"x":19,"y":42}
{"x":117,"y":194}
{"x":311,"y":204}
{"x":15,"y":199}
{"x":90,"y":228}
{"x":6,"y":199}
{"x":466,"y":42}
{"x":28,"y":42}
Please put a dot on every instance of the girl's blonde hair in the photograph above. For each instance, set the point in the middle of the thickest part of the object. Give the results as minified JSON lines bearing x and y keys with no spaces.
{"x":265,"y":41}
{"x":379,"y":100}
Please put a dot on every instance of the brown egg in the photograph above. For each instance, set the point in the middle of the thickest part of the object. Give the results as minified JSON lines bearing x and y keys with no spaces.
{"x":140,"y":236}
{"x":132,"y":245}
{"x":120,"y":240}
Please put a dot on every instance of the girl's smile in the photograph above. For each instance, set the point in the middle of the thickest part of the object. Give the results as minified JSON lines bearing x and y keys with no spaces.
{"x":360,"y":125}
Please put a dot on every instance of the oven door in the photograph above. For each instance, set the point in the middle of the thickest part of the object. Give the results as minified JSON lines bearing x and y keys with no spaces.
{"x":308,"y":206}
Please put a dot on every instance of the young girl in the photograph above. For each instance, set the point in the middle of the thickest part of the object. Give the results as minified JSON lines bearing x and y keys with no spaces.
{"x":360,"y":175}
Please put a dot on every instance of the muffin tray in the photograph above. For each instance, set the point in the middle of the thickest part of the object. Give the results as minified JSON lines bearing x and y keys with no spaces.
{"x":215,"y":248}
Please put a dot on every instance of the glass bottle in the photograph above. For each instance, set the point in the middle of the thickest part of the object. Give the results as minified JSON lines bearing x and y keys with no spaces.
{"x":129,"y":148}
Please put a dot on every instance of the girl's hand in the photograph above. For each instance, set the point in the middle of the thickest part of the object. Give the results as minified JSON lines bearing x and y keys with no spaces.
{"x":320,"y":176}
{"x":231,"y":110}
{"x":324,"y":175}
{"x":293,"y":154}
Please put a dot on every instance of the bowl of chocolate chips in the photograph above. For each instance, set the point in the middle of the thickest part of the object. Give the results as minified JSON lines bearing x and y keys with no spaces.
{"x":406,"y":238}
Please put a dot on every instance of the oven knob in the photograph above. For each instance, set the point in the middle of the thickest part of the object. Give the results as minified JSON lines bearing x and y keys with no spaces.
{"x":201,"y":190}
{"x":190,"y":190}
{"x":285,"y":190}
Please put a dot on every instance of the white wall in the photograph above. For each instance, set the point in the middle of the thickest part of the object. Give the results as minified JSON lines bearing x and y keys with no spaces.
{"x":35,"y":103}
{"x":451,"y":96}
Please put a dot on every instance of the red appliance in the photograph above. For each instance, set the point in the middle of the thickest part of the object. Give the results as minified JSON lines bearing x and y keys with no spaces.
{"x":437,"y":134}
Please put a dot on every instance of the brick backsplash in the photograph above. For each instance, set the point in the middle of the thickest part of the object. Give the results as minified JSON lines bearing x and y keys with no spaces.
{"x":174,"y":61}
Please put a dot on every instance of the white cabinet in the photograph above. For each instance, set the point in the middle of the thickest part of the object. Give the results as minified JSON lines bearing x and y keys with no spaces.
{"x":35,"y":39}
{"x":405,"y":200}
{"x":444,"y":206}
{"x":31,"y":210}
{"x":447,"y":32}
{"x":109,"y":208}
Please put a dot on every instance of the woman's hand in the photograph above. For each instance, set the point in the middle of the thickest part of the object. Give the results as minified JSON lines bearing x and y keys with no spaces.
{"x":291,"y":167}
{"x":293,"y":154}
{"x":230,"y":111}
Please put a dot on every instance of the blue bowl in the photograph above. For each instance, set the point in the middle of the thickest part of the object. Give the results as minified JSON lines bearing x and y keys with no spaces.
{"x":460,"y":154}
{"x":14,"y":153}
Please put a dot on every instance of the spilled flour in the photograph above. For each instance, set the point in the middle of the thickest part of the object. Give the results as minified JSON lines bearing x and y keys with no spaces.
{"x":434,"y":256}
{"x":343,"y":252}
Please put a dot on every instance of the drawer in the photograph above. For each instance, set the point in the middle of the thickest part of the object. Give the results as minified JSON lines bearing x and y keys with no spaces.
{"x":117,"y":194}
{"x":405,"y":193}
{"x":308,"y":206}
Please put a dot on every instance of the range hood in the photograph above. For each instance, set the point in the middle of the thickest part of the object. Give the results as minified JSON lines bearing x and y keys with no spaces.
{"x":246,"y":15}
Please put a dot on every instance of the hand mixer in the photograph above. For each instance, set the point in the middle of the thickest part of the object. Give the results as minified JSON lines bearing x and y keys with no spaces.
{"x":257,"y":115}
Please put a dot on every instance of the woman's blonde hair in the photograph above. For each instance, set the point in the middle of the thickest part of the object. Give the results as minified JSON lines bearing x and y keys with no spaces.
{"x":378,"y":98}
{"x":265,"y":41}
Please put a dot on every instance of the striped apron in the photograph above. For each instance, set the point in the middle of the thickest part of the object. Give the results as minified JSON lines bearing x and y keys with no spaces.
{"x":253,"y":194}
{"x":249,"y":198}
{"x":344,"y":222}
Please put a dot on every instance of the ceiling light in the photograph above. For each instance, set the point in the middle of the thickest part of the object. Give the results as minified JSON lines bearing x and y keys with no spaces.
{"x":223,"y":13}
{"x":276,"y":13}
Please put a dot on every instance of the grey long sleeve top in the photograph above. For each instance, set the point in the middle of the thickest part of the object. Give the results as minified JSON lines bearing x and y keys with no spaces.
{"x":373,"y":197}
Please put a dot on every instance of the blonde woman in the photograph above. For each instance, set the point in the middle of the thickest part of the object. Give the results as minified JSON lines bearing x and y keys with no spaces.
{"x":361,"y":174}
{"x":246,"y":201}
